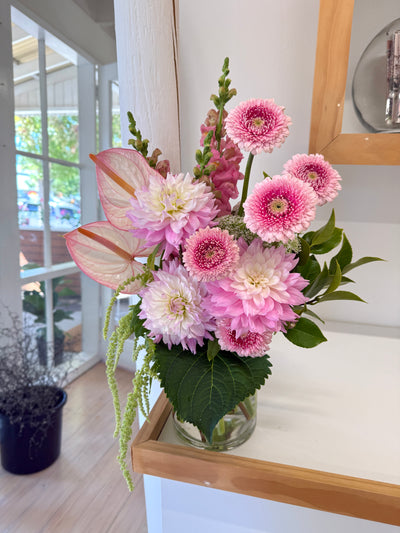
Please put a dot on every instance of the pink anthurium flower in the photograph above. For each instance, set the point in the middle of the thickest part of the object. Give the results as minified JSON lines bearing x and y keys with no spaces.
{"x":107,"y":254}
{"x":120,"y":171}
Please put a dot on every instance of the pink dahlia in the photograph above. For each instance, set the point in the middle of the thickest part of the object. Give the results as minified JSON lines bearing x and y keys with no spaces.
{"x":259,"y":293}
{"x":172,"y":306}
{"x":168,"y":210}
{"x":258,"y":125}
{"x":250,"y":344}
{"x":210,"y":254}
{"x":314,"y":170}
{"x":280,"y":207}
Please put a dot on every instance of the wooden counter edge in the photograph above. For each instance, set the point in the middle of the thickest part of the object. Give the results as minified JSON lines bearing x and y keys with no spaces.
{"x":324,"y":491}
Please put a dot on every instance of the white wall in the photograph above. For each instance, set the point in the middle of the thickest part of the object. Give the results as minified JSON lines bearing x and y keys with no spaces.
{"x":271,"y":46}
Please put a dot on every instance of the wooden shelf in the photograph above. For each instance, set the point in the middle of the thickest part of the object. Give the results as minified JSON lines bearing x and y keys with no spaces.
{"x":154,"y":452}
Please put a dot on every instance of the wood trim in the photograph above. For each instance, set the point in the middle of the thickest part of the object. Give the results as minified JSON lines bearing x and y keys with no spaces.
{"x":324,"y":491}
{"x":330,"y":75}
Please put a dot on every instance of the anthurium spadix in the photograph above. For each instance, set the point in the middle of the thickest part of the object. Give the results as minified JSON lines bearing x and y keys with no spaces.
{"x":107,"y":254}
{"x":120,"y":172}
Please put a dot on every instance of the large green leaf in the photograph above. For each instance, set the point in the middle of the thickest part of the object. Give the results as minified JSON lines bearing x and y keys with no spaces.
{"x":362,"y":261}
{"x":305,"y":334}
{"x":325,"y":233}
{"x":343,"y":257}
{"x":203,"y":391}
{"x":340,"y":295}
{"x":329,"y":244}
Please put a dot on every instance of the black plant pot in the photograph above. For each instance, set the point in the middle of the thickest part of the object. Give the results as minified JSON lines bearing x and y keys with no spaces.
{"x":33,"y":445}
{"x":58,"y":350}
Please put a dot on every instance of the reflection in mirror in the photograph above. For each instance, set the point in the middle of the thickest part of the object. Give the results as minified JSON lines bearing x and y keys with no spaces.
{"x":336,"y":129}
{"x":370,"y":67}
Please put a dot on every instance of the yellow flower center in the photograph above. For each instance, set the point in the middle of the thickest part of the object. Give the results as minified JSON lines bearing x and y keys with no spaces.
{"x":258,"y":122}
{"x":278,"y":206}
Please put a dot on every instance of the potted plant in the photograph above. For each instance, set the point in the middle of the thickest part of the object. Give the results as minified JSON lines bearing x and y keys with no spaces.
{"x":34,"y":302}
{"x":31,"y":402}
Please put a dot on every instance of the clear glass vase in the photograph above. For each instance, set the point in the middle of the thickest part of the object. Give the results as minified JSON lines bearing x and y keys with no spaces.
{"x":232,"y":430}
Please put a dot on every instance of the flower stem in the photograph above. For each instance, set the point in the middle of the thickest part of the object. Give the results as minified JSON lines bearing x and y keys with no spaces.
{"x":246,"y":183}
{"x":244,"y":410}
{"x":219,"y":128}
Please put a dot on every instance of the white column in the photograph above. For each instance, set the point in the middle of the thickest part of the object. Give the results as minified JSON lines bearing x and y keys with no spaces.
{"x":147,"y":69}
{"x":10,"y":286}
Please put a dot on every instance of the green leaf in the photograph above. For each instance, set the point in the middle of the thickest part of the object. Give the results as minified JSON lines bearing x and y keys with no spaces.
{"x":310,"y":270}
{"x":314,"y":315}
{"x":203,"y":391}
{"x":344,"y":256}
{"x":324,"y":233}
{"x":330,"y":244}
{"x":137,"y":323}
{"x":340,"y":295}
{"x":318,"y":284}
{"x":213,"y":348}
{"x":60,"y":314}
{"x":305,"y":334}
{"x":304,"y":253}
{"x":335,"y":279}
{"x":346,"y":280}
{"x":362,"y":261}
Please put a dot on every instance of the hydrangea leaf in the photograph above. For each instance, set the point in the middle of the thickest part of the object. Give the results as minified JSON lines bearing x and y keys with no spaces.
{"x":305,"y":334}
{"x":203,"y":391}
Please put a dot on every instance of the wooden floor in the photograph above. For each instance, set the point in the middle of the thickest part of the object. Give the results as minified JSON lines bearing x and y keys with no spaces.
{"x":83,"y":491}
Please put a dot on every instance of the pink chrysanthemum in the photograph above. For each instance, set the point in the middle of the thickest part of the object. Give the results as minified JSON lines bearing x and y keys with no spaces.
{"x":259,"y":293}
{"x":210,"y":254}
{"x":314,"y":170}
{"x":258,"y":125}
{"x":172,"y":306}
{"x":167,"y":211}
{"x":250,"y":344}
{"x":280,"y":207}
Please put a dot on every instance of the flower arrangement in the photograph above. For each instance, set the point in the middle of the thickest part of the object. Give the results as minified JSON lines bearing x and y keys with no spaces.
{"x":218,"y":282}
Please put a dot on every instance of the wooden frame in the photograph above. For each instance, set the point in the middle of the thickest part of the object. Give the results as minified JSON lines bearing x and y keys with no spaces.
{"x":333,"y":46}
{"x":356,"y":497}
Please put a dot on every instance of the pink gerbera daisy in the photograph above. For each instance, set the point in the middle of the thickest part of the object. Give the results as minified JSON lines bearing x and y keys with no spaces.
{"x":314,"y":170}
{"x":259,"y":293}
{"x":173,"y":310}
{"x":210,"y":254}
{"x":280,"y":207}
{"x":250,"y":344}
{"x":258,"y":125}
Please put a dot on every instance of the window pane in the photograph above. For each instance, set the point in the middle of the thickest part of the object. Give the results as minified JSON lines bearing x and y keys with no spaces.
{"x":116,"y":118}
{"x":65,"y":211}
{"x":67,"y":318}
{"x":62,"y":101}
{"x":28,"y":126}
{"x":30,"y":211}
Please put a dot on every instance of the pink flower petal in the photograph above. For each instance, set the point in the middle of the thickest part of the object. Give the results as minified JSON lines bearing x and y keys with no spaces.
{"x":107,"y":254}
{"x":120,"y":172}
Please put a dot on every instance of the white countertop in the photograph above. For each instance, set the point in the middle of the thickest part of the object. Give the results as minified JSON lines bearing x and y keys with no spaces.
{"x":334,"y":408}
